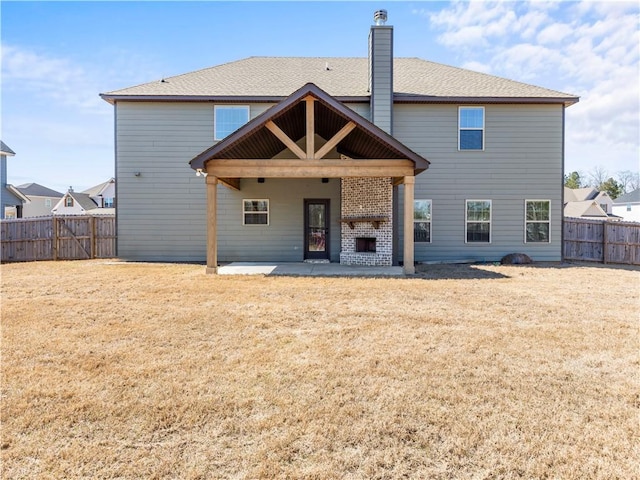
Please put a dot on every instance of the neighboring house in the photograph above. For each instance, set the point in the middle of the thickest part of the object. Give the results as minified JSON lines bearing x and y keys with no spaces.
{"x":369,"y":161}
{"x":11,"y":200}
{"x":588,"y":203}
{"x":98,"y":200}
{"x":41,"y":200}
{"x":104,"y":195}
{"x":627,"y":206}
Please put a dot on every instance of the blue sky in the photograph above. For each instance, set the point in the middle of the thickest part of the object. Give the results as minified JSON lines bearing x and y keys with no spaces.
{"x":58,"y":56}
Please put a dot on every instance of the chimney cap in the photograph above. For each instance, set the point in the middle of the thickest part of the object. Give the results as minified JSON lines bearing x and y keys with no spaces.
{"x":380,"y":17}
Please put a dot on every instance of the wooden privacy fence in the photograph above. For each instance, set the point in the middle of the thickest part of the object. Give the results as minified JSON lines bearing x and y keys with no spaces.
{"x":58,"y":238}
{"x":602,"y":241}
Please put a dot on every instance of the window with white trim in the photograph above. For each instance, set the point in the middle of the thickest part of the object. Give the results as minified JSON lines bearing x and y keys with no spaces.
{"x":228,"y":118}
{"x":470,"y":128}
{"x":537,"y":221}
{"x":422,"y":221}
{"x":478,"y":221}
{"x":255,"y":212}
{"x":68,"y":202}
{"x":109,"y":202}
{"x":47,"y":202}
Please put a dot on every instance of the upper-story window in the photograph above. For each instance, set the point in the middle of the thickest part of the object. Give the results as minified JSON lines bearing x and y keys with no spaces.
{"x":68,"y":202}
{"x":47,"y":202}
{"x":471,"y":128}
{"x":228,"y":118}
{"x":108,"y":202}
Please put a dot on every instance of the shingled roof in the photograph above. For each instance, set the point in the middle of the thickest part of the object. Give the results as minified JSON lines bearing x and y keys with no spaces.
{"x":274,"y":78}
{"x":5,"y":150}
{"x":37,"y":190}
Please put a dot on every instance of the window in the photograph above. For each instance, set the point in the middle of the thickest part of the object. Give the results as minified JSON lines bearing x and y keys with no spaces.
{"x":537,"y":221}
{"x":68,"y":202}
{"x":471,"y":131}
{"x":108,"y":202}
{"x":603,"y":206}
{"x":229,"y":118}
{"x":422,"y":221}
{"x":478,"y":221}
{"x":628,"y":207}
{"x":47,"y":202}
{"x":255,"y":212}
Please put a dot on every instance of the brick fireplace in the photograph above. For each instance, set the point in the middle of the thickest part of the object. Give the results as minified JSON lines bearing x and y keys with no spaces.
{"x":367,"y":221}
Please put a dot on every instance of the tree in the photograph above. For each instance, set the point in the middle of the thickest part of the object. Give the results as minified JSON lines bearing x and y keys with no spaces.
{"x":612,"y":187}
{"x":573,"y":180}
{"x":628,"y":180}
{"x":597,"y":176}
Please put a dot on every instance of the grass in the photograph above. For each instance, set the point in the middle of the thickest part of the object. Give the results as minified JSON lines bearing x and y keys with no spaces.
{"x":117,"y":370}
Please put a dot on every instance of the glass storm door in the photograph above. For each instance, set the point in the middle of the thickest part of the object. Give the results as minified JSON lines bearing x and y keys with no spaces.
{"x":316,"y":229}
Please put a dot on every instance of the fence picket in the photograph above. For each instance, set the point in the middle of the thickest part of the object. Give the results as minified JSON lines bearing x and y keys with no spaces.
{"x":58,"y":238}
{"x":601,"y":241}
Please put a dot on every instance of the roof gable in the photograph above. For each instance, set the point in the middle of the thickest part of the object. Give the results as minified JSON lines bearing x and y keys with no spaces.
{"x":585,"y":208}
{"x":254,"y":140}
{"x":83,"y":200}
{"x":99,"y":189}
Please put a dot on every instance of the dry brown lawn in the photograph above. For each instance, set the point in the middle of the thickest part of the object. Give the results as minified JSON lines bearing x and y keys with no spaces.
{"x":118,"y":370}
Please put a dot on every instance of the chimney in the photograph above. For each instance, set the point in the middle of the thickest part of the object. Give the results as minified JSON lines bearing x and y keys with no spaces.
{"x":381,"y":72}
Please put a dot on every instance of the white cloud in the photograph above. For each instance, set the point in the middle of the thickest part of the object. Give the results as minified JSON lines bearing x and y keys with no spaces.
{"x":53,"y":78}
{"x":554,"y":33}
{"x":591,"y":49}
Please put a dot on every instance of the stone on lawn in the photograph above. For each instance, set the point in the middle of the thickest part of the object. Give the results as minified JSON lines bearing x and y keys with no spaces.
{"x":516,"y":259}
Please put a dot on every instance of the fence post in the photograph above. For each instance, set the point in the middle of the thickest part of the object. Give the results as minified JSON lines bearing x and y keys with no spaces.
{"x":54,"y":240}
{"x":605,"y":242}
{"x":92,"y":225}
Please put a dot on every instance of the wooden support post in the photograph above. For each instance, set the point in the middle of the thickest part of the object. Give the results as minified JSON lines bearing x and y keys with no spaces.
{"x":212,"y":221}
{"x":409,"y":185}
{"x":92,"y":237}
{"x":311,"y":129}
{"x":605,"y":242}
{"x":54,"y":240}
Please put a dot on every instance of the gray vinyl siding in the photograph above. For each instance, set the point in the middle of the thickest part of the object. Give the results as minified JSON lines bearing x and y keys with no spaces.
{"x":283,"y":239}
{"x":522,"y":161}
{"x":161,"y":214}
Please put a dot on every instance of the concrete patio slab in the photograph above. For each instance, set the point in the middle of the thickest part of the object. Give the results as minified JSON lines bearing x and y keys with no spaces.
{"x":308,"y":269}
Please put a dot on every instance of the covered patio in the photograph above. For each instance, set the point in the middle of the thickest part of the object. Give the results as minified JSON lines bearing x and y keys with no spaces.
{"x":307,"y":269}
{"x":312,"y":135}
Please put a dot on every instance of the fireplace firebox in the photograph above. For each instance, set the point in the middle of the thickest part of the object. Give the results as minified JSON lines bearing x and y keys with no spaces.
{"x":366,"y":244}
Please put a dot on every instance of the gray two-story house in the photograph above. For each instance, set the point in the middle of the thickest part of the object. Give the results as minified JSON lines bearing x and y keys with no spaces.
{"x":363,"y":161}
